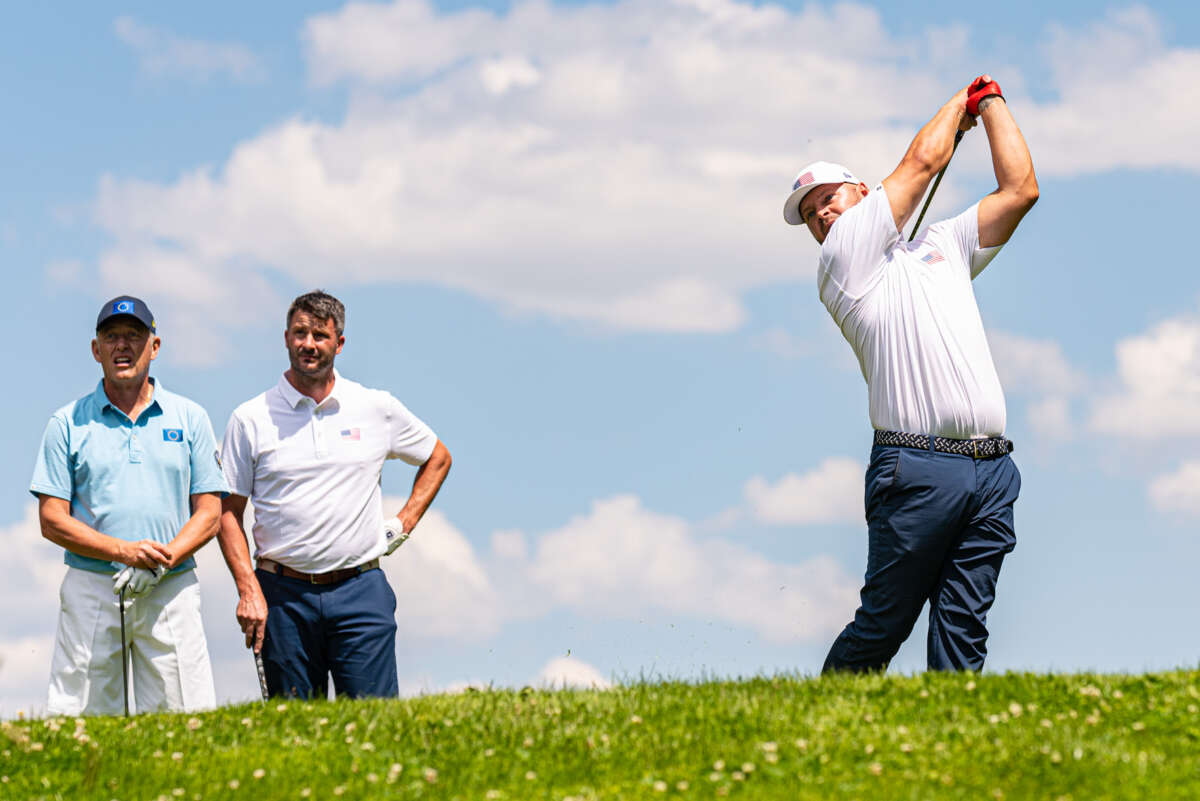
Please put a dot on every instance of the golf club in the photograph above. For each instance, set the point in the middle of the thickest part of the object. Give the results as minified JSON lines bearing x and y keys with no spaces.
{"x":262,"y":675}
{"x":124,"y":657}
{"x":957,"y":138}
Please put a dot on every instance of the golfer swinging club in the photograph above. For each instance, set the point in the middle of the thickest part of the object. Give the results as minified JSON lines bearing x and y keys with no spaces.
{"x":940,"y":486}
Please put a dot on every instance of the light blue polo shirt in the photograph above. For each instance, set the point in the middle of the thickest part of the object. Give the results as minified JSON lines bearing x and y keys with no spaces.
{"x":132,"y":480}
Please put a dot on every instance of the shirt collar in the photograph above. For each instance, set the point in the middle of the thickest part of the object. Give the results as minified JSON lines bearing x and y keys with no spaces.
{"x":104,"y":404}
{"x":294,"y":397}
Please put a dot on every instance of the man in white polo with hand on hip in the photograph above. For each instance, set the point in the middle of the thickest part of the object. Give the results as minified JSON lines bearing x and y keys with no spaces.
{"x":308,"y":453}
{"x":128,"y":483}
{"x":940,"y":484}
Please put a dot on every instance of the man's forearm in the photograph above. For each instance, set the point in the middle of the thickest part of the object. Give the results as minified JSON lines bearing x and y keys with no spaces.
{"x":934,"y":143}
{"x":426,"y":484}
{"x":81,"y":539}
{"x":1010,"y":155}
{"x":201,"y":527}
{"x":231,"y":537}
{"x":61,"y":528}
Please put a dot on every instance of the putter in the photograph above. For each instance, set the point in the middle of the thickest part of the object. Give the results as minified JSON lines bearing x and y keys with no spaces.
{"x":262,"y":675}
{"x":957,"y":138}
{"x":124,"y":659}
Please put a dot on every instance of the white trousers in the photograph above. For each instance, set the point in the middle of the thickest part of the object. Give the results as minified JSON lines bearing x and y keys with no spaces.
{"x":169,"y":666}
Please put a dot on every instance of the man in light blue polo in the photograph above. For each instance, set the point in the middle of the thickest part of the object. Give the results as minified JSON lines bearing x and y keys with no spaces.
{"x":129,"y":482}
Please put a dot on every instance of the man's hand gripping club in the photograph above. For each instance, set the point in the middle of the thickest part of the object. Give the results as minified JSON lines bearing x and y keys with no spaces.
{"x":136,"y":580}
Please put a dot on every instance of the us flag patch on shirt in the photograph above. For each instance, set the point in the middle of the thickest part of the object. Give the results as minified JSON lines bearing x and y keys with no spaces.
{"x":933,"y":257}
{"x":351,"y":433}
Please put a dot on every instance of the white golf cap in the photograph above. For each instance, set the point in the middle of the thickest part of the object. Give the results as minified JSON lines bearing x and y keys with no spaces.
{"x":815,"y":174}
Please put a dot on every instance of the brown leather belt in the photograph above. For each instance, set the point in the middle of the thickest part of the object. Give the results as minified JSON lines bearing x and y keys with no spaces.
{"x":332,"y":577}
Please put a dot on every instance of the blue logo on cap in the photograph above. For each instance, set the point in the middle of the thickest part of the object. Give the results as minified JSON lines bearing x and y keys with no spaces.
{"x":172,"y":435}
{"x":123,"y":307}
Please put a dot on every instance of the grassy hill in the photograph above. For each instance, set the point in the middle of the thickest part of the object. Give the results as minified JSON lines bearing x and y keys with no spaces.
{"x":933,"y":736}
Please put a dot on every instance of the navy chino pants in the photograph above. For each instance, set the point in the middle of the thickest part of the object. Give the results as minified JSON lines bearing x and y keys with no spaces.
{"x":939,"y":526}
{"x":347,"y":630}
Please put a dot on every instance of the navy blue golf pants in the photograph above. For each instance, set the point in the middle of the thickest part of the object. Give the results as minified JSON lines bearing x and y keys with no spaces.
{"x":939,"y":526}
{"x":347,"y":630}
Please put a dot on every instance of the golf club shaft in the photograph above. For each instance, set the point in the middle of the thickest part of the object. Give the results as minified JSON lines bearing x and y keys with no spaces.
{"x":957,"y":138}
{"x":124,"y":655}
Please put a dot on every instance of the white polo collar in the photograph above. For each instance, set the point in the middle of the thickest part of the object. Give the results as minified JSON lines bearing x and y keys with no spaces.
{"x":294,"y":397}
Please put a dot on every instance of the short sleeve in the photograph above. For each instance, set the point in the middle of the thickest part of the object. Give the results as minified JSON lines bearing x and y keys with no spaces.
{"x":206,"y":459}
{"x":853,"y":253}
{"x":409,"y":439}
{"x":237,"y":457}
{"x":962,"y":233}
{"x":52,"y":474}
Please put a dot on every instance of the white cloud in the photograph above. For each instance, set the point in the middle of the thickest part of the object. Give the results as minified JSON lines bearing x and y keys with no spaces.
{"x":1030,"y":366}
{"x":1158,"y":384}
{"x":34,"y":570}
{"x":442,"y":589}
{"x":502,"y":74}
{"x":604,"y":164}
{"x":622,"y":560}
{"x":830,"y":493}
{"x":162,"y":53}
{"x":1038,"y":370}
{"x":24,"y":675}
{"x":610,"y":164}
{"x":567,"y":671}
{"x":1119,"y":76}
{"x":1179,"y":491}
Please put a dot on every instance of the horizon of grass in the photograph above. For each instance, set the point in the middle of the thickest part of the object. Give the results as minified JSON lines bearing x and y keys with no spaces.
{"x":1068,"y":737}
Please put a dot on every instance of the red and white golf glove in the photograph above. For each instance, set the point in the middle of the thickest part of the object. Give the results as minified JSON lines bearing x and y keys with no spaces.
{"x":978,"y":91}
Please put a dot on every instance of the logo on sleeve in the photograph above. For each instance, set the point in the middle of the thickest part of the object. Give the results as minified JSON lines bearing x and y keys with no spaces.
{"x":351,"y":434}
{"x":172,"y":435}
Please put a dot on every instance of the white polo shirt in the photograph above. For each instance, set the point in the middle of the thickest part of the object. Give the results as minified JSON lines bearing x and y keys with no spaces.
{"x":908,"y":310}
{"x":312,"y":470}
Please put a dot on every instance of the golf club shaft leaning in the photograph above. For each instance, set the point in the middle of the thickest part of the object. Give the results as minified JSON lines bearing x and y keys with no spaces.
{"x":957,"y":138}
{"x":124,"y":655}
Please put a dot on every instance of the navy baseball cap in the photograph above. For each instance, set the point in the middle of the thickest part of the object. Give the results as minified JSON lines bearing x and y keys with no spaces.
{"x":126,"y":306}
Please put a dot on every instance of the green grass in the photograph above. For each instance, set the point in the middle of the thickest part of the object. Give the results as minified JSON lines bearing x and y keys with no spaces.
{"x":932,"y":736}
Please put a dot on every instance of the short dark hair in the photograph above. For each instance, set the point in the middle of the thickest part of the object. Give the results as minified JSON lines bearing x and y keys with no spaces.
{"x":321,"y":305}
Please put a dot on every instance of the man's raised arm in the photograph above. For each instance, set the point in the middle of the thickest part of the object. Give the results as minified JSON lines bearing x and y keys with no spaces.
{"x":929,"y":152}
{"x":1017,"y":190}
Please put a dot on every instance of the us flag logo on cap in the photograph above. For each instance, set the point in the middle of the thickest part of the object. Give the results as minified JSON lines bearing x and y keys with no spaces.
{"x":803,"y":180}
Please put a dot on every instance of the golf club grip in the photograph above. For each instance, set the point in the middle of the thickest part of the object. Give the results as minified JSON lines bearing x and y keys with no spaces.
{"x":936,"y":181}
{"x":262,"y":675}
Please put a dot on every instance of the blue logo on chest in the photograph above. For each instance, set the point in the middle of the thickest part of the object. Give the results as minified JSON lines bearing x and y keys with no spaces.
{"x":172,"y":435}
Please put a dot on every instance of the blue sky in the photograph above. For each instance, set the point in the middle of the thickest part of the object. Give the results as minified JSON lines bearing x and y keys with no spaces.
{"x":557,"y":231}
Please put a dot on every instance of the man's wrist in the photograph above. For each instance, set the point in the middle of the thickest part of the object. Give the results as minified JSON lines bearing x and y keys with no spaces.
{"x":987,"y":101}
